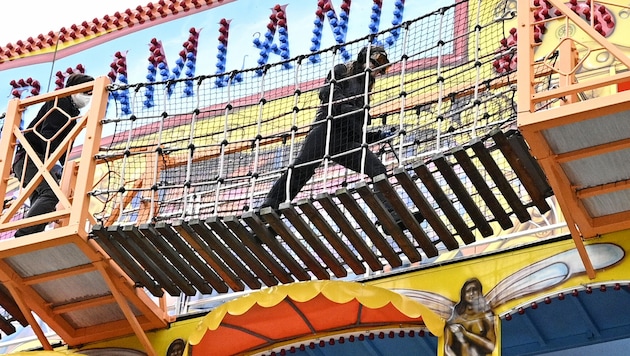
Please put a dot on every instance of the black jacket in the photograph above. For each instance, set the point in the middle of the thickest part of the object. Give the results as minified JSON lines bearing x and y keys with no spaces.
{"x":348,"y":91}
{"x":53,"y":119}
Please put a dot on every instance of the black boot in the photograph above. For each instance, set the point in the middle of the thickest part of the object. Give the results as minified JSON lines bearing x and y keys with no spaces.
{"x":417,"y":215}
{"x":267,"y":204}
{"x":390,"y":209}
{"x":397,"y":219}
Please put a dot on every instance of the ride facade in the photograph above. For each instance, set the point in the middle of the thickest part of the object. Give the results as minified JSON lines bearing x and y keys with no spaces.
{"x":501,"y":124}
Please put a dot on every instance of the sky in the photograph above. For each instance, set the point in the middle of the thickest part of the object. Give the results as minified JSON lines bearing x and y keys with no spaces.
{"x":249,"y":20}
{"x":18,"y":23}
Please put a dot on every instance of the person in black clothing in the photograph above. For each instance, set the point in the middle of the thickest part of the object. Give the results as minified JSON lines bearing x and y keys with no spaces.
{"x":348,"y":85}
{"x":45,"y":133}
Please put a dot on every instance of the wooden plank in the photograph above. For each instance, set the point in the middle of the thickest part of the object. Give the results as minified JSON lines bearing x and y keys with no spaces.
{"x":6,"y":327}
{"x":453,"y":181}
{"x":268,"y":238}
{"x":175,"y":250}
{"x":313,"y":240}
{"x":527,"y":169}
{"x":122,"y":258}
{"x":425,"y":208}
{"x":170,"y":269}
{"x":257,"y":249}
{"x":381,"y":182}
{"x":388,"y":222}
{"x":245,"y":255}
{"x":482,"y":188}
{"x":331,"y":236}
{"x":349,"y":231}
{"x":10,"y":306}
{"x":159,"y":258}
{"x":224,"y":262}
{"x":199,"y":236}
{"x":368,"y":227}
{"x":444,"y":202}
{"x":288,"y":237}
{"x":143,"y":260}
{"x":484,"y":156}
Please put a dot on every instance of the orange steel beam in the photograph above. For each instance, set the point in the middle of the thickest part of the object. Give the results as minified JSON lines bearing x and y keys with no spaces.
{"x":34,"y":220}
{"x":612,"y":222}
{"x":585,"y":26}
{"x":42,"y":240}
{"x":533,"y":123}
{"x":580,"y":87}
{"x":126,"y":309}
{"x":29,"y":301}
{"x":525,"y":49}
{"x":593,"y":151}
{"x":569,"y":114}
{"x":568,"y":61}
{"x":7,"y":144}
{"x":74,"y":208}
{"x":88,"y":303}
{"x":17,"y":296}
{"x":50,"y":276}
{"x":13,"y":132}
{"x":80,"y":213}
{"x":127,"y":287}
{"x":151,"y":316}
{"x":67,"y":183}
{"x":538,"y":145}
{"x":573,"y":220}
{"x":603,"y":189}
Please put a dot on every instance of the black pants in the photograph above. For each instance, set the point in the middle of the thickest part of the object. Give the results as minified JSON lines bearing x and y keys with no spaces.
{"x":345,"y":135}
{"x":43,"y":199}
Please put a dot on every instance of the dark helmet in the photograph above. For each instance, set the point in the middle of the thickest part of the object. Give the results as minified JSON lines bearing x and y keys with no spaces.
{"x":378,"y":56}
{"x":77,"y":78}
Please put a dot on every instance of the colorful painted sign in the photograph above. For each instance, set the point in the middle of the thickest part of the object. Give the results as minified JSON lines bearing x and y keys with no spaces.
{"x":481,"y":291}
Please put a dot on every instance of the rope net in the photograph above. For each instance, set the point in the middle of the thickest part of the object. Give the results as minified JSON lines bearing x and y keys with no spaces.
{"x":217,"y":144}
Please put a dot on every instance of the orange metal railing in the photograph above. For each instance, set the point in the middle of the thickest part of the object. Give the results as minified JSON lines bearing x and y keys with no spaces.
{"x":568,"y":39}
{"x":72,"y":215}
